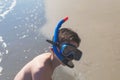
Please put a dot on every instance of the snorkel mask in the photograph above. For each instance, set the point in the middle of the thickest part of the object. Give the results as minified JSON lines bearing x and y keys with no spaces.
{"x":67,"y":52}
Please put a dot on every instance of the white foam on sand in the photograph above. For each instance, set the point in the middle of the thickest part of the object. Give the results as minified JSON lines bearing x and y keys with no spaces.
{"x":3,"y":50}
{"x":0,"y":57}
{"x":1,"y":40}
{"x":1,"y":70}
{"x":5,"y":9}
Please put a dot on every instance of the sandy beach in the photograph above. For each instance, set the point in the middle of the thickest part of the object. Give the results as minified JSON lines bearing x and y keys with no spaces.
{"x":97,"y":23}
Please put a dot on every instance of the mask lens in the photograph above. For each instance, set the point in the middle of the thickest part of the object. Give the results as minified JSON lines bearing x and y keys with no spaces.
{"x":71,"y":52}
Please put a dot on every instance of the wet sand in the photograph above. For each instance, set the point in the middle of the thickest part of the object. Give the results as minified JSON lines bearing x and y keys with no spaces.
{"x":97,"y":23}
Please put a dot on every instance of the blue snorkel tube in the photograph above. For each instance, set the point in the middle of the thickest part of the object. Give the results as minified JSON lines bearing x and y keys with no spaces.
{"x":55,"y":38}
{"x":59,"y":52}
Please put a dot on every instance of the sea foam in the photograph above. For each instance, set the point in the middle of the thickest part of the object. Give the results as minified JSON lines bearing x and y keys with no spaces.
{"x":5,"y":7}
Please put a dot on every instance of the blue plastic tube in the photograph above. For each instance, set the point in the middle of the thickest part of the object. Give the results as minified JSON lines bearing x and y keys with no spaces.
{"x":55,"y":39}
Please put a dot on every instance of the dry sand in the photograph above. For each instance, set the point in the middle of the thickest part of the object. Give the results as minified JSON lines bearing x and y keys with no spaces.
{"x":98,"y":24}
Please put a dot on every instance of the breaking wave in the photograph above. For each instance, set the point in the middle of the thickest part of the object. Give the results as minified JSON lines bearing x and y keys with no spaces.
{"x":5,"y":7}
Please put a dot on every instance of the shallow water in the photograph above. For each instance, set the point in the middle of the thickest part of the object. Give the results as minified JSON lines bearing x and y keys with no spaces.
{"x":20,"y":40}
{"x":25,"y":25}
